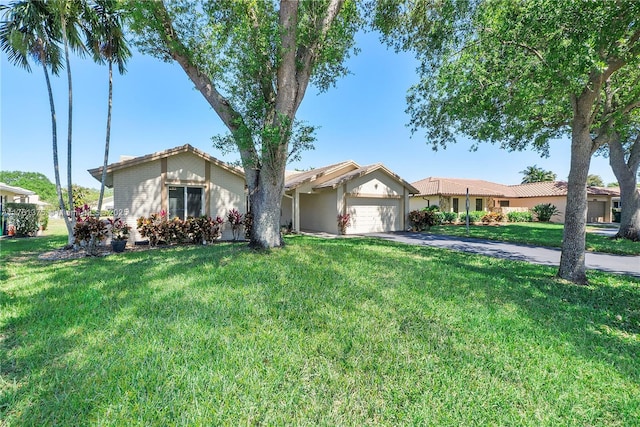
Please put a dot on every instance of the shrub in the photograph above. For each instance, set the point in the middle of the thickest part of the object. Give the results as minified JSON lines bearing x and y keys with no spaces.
{"x":520,"y":216}
{"x":159,"y":229}
{"x":544,"y":211}
{"x":433,"y":217}
{"x":449,"y":217}
{"x":474,"y":216}
{"x":24,"y":217}
{"x":119,"y":229}
{"x":490,"y":217}
{"x":152,"y":227}
{"x":344,"y":221}
{"x":203,"y":229}
{"x":43,"y":218}
{"x":88,"y":231}
{"x":425,"y":218}
{"x":235,"y":219}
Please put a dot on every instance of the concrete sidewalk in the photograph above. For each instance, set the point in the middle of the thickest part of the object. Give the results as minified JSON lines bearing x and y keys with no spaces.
{"x":621,"y":264}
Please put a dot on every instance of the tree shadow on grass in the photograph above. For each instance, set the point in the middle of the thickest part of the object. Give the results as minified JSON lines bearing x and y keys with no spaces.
{"x":601,"y":319}
{"x":115,"y":320}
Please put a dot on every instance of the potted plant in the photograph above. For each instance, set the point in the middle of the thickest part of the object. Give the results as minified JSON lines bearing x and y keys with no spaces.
{"x":119,"y":234}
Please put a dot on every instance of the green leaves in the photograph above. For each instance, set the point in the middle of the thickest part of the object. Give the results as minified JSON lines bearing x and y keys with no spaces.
{"x":506,"y":72}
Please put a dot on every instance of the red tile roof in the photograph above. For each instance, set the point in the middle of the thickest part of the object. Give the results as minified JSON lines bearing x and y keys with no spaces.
{"x":457,"y":187}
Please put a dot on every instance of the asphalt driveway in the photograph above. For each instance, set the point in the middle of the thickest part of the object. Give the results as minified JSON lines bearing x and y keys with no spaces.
{"x":621,"y":264}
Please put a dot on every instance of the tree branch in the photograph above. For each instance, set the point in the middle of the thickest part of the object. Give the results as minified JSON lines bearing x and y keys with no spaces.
{"x":307,"y":55}
{"x":268,"y":91}
{"x":203,"y":83}
{"x":286,"y":73}
{"x":634,"y":155}
{"x":221,"y":105}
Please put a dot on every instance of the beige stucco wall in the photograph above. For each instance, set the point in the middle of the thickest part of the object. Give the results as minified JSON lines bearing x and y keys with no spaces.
{"x":319,"y":211}
{"x":286,"y":210}
{"x":560,"y":202}
{"x":376,"y":183}
{"x":419,"y":202}
{"x":138,"y":189}
{"x":136,"y":193}
{"x":186,"y":167}
{"x":227,"y":192}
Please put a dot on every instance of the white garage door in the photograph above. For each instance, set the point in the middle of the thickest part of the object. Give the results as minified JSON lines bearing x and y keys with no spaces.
{"x":370,"y":215}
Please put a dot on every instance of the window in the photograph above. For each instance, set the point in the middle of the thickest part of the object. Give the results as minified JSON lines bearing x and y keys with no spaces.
{"x":478,"y":204}
{"x":504,"y":203}
{"x":185,"y":199}
{"x":456,"y":204}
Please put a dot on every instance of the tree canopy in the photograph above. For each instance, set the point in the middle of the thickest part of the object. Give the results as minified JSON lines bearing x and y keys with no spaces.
{"x":595,"y":181}
{"x":521,"y":75}
{"x":253,"y":61}
{"x":34,"y":181}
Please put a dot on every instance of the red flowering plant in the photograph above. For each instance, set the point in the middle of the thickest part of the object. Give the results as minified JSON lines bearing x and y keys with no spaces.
{"x":88,"y":231}
{"x":235,"y":219}
{"x":119,"y":229}
{"x":204,"y":229}
{"x":344,"y":221}
{"x":153,"y":227}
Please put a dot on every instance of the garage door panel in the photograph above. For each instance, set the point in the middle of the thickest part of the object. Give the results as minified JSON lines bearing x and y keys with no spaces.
{"x":370,"y":215}
{"x":596,"y":211}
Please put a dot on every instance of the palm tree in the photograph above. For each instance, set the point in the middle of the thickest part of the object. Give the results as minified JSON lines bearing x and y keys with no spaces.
{"x":536,"y":174}
{"x":68,"y":14}
{"x":30,"y":31}
{"x":106,"y":41}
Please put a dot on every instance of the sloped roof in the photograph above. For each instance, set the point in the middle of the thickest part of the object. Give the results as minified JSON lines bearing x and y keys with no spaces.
{"x":364,"y":170}
{"x":557,"y":188}
{"x":16,"y":190}
{"x":187,"y":148}
{"x":355,"y":171}
{"x":296,"y":180}
{"x":458,"y":187}
{"x":540,"y":189}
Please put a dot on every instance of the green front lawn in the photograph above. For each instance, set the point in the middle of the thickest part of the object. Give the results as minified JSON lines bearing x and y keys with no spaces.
{"x":539,"y":234}
{"x":323,"y":332}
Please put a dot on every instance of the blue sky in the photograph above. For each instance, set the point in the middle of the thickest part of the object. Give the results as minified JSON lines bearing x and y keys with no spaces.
{"x":155,"y":107}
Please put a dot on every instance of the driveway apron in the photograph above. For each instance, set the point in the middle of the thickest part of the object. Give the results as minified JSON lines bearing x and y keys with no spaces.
{"x":620,"y":264}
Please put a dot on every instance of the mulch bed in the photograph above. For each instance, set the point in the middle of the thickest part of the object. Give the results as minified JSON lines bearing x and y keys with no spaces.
{"x":63,"y":254}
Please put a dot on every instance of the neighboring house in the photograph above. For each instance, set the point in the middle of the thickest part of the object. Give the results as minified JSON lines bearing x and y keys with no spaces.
{"x":375,"y":198}
{"x":11,"y":194}
{"x":185,"y":181}
{"x":107,"y":204}
{"x":450,"y":195}
{"x":181,"y":181}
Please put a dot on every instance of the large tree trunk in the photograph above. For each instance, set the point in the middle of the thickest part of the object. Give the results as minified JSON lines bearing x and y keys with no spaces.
{"x":265,"y":197}
{"x":626,"y":173}
{"x":264,"y":163}
{"x":572,"y":265}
